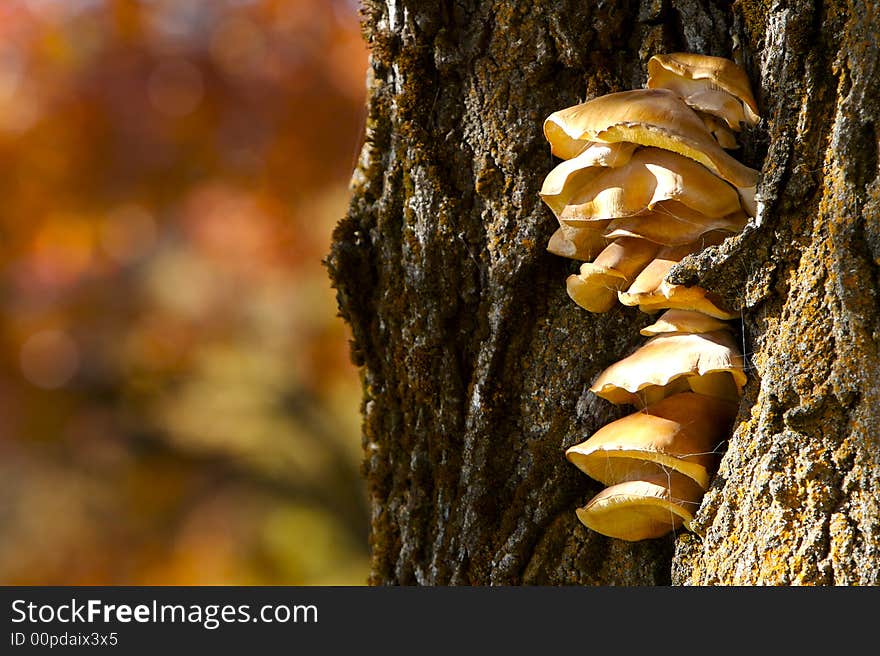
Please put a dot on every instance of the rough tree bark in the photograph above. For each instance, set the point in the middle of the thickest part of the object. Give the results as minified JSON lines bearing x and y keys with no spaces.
{"x":475,"y":362}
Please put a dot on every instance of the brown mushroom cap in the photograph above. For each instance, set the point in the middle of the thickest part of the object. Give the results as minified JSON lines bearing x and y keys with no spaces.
{"x":574,"y":173}
{"x":673,"y":224}
{"x":643,"y":509}
{"x":595,"y":288}
{"x":671,"y":363}
{"x":675,"y":70}
{"x":684,"y":321}
{"x":581,"y":243}
{"x":679,"y":433}
{"x":651,"y":117}
{"x":651,"y":176}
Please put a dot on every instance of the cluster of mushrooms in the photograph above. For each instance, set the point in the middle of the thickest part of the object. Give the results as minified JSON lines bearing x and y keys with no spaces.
{"x":646,"y":180}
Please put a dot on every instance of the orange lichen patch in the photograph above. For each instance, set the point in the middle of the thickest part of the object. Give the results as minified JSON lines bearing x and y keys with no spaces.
{"x":582,"y":243}
{"x":595,"y":287}
{"x":671,"y":363}
{"x":679,"y":433}
{"x":697,"y":78}
{"x":651,"y":117}
{"x":642,"y":509}
{"x":574,"y":173}
{"x":673,"y":224}
{"x":684,"y":321}
{"x":651,"y":176}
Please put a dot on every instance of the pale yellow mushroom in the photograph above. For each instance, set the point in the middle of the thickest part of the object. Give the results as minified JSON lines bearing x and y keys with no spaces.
{"x":595,"y":288}
{"x":650,"y":291}
{"x":673,"y":224}
{"x":572,"y":174}
{"x":582,"y":243}
{"x":695,"y":77}
{"x":706,"y":363}
{"x":644,"y":508}
{"x":651,"y":117}
{"x":679,"y":433}
{"x":651,"y":176}
{"x":684,"y":321}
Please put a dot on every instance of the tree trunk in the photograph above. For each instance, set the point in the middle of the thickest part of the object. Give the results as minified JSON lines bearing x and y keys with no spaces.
{"x":476,"y":363}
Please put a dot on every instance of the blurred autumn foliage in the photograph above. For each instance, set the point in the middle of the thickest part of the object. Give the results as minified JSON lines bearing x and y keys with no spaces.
{"x":177,"y":405}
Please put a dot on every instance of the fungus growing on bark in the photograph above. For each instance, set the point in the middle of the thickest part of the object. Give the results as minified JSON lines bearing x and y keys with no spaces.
{"x":574,"y":173}
{"x":707,"y":363}
{"x":647,"y":169}
{"x":679,"y":433}
{"x":595,"y":287}
{"x":714,"y":85}
{"x":650,"y":290}
{"x":643,"y":508}
{"x":649,"y":117}
{"x":651,"y":176}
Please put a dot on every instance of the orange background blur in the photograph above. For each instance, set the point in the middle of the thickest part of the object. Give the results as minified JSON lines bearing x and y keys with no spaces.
{"x":177,"y":405}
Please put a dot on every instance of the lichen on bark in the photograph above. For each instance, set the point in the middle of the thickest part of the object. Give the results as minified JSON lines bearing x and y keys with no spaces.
{"x":475,"y":362}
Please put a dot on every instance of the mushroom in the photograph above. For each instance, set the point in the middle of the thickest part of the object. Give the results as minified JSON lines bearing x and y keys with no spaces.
{"x":707,"y":363}
{"x":684,"y":321}
{"x":595,"y":288}
{"x":678,"y":433}
{"x":582,"y":243}
{"x":640,"y":509}
{"x":650,"y":117}
{"x":651,"y":176}
{"x":672,"y":224}
{"x":650,"y":291}
{"x":711,"y":84}
{"x":575,"y":173}
{"x":722,"y":133}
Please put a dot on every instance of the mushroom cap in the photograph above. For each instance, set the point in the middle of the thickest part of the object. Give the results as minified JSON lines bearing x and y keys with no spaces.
{"x":575,"y":173}
{"x":678,"y":297}
{"x":669,"y":363}
{"x":714,"y":72}
{"x":642,"y":509}
{"x":679,"y":433}
{"x":684,"y":321}
{"x":651,"y":176}
{"x":673,"y":224}
{"x":649,"y":117}
{"x":595,"y":287}
{"x":651,"y":292}
{"x":723,"y":133}
{"x":582,"y":243}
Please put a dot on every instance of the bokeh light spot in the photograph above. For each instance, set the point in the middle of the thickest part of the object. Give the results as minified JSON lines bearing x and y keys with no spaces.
{"x":49,"y":359}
